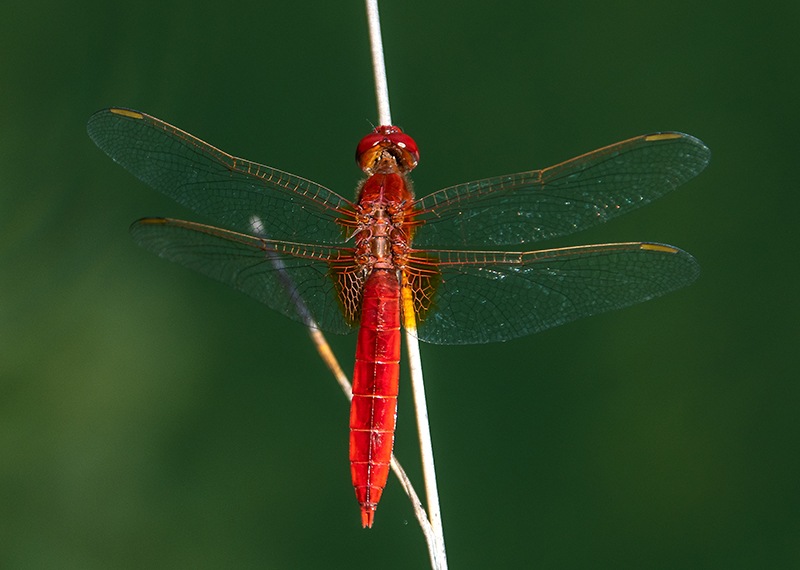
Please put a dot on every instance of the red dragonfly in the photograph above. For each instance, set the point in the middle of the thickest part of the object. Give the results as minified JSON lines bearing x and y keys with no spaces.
{"x":338,"y":264}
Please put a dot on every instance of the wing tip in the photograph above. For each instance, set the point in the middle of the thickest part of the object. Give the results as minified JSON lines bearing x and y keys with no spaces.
{"x":97,"y":124}
{"x":684,"y":257}
{"x":675,"y":136}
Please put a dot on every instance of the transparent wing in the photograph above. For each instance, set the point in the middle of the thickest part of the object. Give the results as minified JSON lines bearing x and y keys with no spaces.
{"x":472,"y":297}
{"x":229,"y":191}
{"x":569,"y":197}
{"x":302,"y":281}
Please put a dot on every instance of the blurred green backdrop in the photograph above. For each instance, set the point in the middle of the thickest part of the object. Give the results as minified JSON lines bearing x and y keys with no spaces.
{"x":150,"y":418}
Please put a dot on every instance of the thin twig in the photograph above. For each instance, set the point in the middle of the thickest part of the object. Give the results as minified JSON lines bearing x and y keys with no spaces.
{"x":378,"y":65}
{"x":437,"y":549}
{"x":416,"y":504}
{"x":330,"y":361}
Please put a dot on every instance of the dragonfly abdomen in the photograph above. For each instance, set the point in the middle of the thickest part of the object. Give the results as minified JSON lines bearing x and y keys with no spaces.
{"x":375,"y":383}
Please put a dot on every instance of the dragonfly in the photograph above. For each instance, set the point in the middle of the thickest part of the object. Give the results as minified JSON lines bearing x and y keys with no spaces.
{"x":459,"y":253}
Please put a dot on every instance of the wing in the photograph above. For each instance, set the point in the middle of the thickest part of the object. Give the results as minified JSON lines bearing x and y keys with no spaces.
{"x":569,"y":197}
{"x":229,"y":191}
{"x":469,"y":297}
{"x":301,"y":281}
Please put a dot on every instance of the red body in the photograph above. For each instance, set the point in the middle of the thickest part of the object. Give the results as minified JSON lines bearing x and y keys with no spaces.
{"x":382,"y":240}
{"x":375,"y":381}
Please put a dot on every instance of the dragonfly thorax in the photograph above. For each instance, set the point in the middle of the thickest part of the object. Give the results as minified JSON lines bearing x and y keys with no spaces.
{"x":381,"y":242}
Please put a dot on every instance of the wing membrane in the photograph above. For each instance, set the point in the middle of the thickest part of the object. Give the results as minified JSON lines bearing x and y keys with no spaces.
{"x":560,"y":200}
{"x":295,"y":279}
{"x":485,"y":297}
{"x":229,"y":191}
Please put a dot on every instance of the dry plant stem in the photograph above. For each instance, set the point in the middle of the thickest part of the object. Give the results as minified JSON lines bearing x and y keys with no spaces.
{"x":330,"y":361}
{"x":378,"y":65}
{"x":437,"y":549}
{"x":416,"y":504}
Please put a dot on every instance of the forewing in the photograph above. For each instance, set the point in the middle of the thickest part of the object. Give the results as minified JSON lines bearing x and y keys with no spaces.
{"x":480,"y":297}
{"x":297,"y":280}
{"x":229,"y":191}
{"x":574,"y":195}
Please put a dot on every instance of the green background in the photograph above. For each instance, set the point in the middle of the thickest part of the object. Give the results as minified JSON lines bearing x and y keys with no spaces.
{"x":150,"y":418}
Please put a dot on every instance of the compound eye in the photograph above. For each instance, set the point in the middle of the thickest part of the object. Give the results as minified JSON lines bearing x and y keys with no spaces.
{"x":405,"y":142}
{"x":371,"y":140}
{"x":391,"y":138}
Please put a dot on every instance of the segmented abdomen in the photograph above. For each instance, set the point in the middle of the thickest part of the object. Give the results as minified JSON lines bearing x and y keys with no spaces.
{"x":375,"y":381}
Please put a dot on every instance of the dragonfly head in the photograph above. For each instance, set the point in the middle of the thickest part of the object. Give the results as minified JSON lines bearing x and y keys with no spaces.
{"x":387,"y":149}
